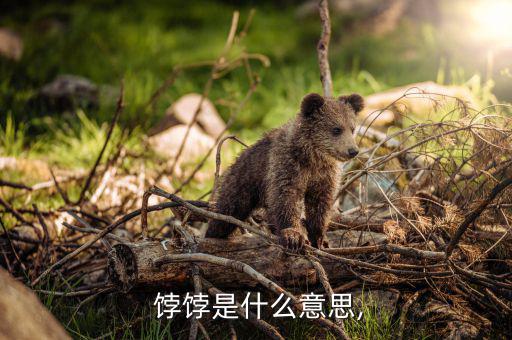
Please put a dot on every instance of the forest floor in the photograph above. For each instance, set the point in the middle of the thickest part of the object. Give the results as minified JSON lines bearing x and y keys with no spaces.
{"x":138,"y":44}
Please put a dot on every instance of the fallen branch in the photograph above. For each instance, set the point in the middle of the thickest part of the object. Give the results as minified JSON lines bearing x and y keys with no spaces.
{"x":13,"y":185}
{"x":100,"y":235}
{"x":133,"y":264}
{"x":323,"y":48}
{"x":119,"y":109}
{"x":264,"y":326}
{"x":473,"y":215}
{"x":255,"y":275}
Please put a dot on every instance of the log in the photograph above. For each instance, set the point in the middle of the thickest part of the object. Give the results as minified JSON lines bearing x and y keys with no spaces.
{"x":22,"y":315}
{"x":133,"y":264}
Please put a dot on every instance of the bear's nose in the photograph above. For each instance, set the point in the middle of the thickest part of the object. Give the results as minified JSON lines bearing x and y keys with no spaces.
{"x":353,"y":152}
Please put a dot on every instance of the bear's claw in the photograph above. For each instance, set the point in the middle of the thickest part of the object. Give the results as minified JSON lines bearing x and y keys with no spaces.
{"x":293,"y":239}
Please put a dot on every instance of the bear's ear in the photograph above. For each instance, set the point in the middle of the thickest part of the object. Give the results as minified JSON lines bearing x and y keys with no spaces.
{"x":354,"y":100}
{"x":311,"y":103}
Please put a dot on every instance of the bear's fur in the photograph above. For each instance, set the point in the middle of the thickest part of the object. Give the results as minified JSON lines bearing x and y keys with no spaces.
{"x":293,"y":167}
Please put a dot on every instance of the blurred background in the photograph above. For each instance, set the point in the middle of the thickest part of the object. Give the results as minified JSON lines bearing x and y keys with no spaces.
{"x":62,"y":62}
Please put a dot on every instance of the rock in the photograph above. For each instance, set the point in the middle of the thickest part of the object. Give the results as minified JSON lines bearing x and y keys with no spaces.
{"x":68,"y":92}
{"x":23,"y":316}
{"x":167,"y":143}
{"x":422,"y":100}
{"x":183,"y":110}
{"x":377,"y":117}
{"x":11,"y":45}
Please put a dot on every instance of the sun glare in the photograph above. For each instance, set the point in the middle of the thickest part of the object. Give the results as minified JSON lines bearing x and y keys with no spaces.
{"x":494,"y":19}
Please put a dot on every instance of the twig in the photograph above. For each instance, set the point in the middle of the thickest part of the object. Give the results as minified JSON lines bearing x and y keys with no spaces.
{"x":104,"y":232}
{"x":210,"y":214}
{"x":267,"y":328}
{"x":61,"y":192}
{"x":324,"y":280}
{"x":497,"y":301}
{"x":485,"y":280}
{"x":13,"y":249}
{"x":196,"y":279}
{"x":389,"y":248}
{"x":220,"y":61}
{"x":323,"y":48}
{"x":94,"y":231}
{"x":203,"y":330}
{"x":242,"y":267}
{"x":405,"y":309}
{"x":119,"y":109}
{"x":144,"y":214}
{"x":228,"y":125}
{"x":218,"y":160}
{"x":472,"y":216}
{"x":46,"y":238}
{"x":4,"y":183}
{"x":87,"y":300}
{"x":14,"y":212}
{"x":273,"y":238}
{"x":84,"y":292}
{"x":89,"y":228}
{"x":346,"y":286}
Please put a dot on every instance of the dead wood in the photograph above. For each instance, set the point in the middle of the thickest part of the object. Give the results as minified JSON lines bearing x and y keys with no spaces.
{"x":13,"y":185}
{"x":323,"y":48}
{"x":434,"y":203}
{"x":470,"y":218}
{"x":133,"y":264}
{"x":119,"y":109}
{"x":264,"y":326}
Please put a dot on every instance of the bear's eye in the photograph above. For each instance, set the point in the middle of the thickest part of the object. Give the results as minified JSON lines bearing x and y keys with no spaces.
{"x":337,"y":131}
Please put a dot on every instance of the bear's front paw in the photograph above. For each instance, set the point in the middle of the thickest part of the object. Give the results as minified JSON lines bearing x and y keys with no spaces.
{"x":293,"y":239}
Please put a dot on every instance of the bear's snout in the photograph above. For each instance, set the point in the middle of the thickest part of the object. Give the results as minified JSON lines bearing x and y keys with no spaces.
{"x":352,"y":152}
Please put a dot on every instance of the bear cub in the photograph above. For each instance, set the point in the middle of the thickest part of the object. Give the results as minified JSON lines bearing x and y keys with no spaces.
{"x":291,"y":170}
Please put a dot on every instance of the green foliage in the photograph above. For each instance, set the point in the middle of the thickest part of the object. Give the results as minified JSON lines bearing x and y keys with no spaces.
{"x":140,"y":43}
{"x":376,"y":323}
{"x":77,"y":143}
{"x":12,"y":137}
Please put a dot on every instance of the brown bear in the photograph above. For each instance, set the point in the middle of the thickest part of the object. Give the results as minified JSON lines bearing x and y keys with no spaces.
{"x":293,"y":167}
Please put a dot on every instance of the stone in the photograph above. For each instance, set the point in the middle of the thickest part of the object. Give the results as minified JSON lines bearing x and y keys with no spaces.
{"x":183,"y":110}
{"x":11,"y":45}
{"x":167,"y":143}
{"x":68,"y":92}
{"x":23,"y":316}
{"x":388,"y":107}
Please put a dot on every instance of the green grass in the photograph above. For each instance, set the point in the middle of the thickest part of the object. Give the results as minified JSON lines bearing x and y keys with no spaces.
{"x":134,"y":319}
{"x":376,"y":322}
{"x":140,"y":43}
{"x":12,"y":137}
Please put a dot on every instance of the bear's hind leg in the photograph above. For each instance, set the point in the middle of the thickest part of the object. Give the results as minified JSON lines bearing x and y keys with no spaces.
{"x":239,"y":206}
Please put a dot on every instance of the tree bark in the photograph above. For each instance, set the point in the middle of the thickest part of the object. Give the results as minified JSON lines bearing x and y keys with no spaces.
{"x":133,"y":264}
